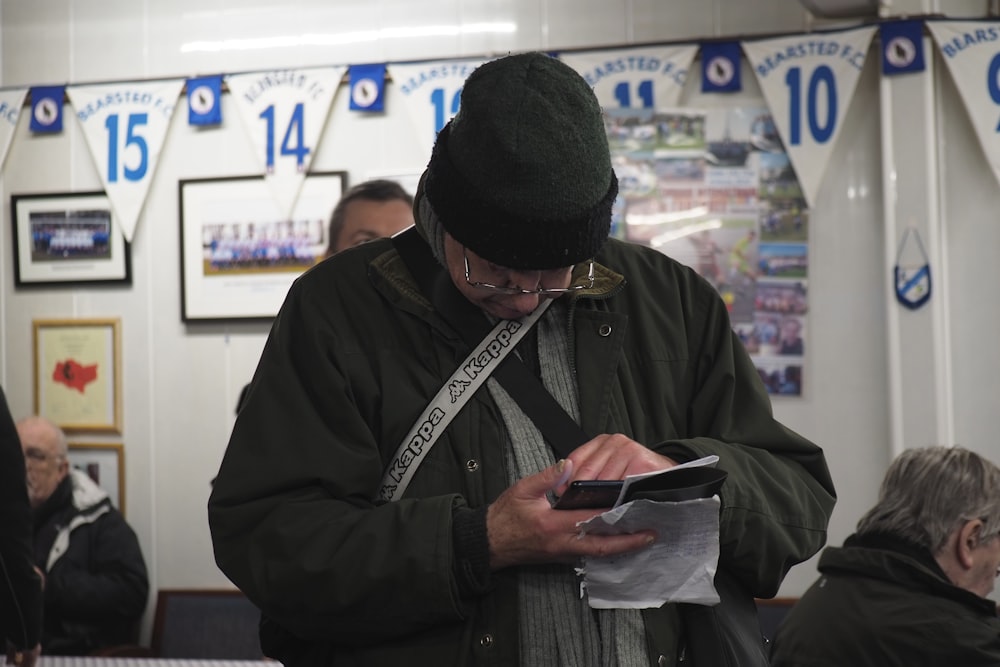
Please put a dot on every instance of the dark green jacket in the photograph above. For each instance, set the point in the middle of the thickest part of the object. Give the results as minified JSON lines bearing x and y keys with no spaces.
{"x":354,"y":356}
{"x":879,"y":604}
{"x":20,"y":585}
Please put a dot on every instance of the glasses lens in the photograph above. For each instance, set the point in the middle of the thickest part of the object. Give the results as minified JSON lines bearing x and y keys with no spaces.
{"x":541,"y":291}
{"x":33,"y":455}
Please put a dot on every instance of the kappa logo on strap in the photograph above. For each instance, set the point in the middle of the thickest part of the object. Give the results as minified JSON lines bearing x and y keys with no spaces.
{"x":424,"y":435}
{"x":450,"y":398}
{"x":493,"y":350}
{"x":480,"y":363}
{"x":457,"y":388}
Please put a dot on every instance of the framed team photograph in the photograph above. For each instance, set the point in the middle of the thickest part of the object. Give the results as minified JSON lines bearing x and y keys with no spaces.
{"x":68,"y":240}
{"x":77,"y":372}
{"x":104,"y":463}
{"x":239,"y":253}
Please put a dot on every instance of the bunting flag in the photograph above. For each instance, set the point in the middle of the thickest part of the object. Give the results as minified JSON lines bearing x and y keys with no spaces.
{"x":284,"y":113}
{"x":808,"y":82}
{"x":367,"y":87}
{"x":912,"y":272}
{"x":10,"y":108}
{"x":650,"y":77}
{"x":432,"y":92}
{"x":720,"y":67}
{"x":47,"y":108}
{"x":204,"y":96}
{"x":969,"y":49}
{"x":902,"y":47}
{"x":125,"y":125}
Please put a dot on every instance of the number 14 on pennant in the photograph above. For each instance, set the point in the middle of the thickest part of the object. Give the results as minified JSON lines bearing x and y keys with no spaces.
{"x":293,"y":141}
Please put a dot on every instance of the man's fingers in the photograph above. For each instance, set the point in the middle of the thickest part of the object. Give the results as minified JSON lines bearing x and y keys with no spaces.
{"x":599,"y":546}
{"x":553,"y":477}
{"x":565,"y":469}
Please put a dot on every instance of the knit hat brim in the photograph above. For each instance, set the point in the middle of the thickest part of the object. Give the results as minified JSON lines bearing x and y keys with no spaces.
{"x":522,"y":174}
{"x":509,"y":239}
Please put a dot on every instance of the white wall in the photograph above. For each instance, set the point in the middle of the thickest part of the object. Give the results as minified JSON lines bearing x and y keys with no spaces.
{"x":181,"y":381}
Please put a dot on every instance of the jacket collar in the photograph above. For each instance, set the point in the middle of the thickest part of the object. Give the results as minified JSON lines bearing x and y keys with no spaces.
{"x":887,"y":558}
{"x":389,"y":274}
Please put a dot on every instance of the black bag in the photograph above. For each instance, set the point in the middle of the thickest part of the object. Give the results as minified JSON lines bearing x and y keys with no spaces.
{"x":726,"y":635}
{"x":678,"y":485}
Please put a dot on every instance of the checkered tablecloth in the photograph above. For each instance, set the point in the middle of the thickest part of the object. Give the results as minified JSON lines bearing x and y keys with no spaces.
{"x":87,"y":661}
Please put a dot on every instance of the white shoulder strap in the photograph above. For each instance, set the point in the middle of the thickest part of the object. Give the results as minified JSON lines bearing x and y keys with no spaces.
{"x":450,"y":399}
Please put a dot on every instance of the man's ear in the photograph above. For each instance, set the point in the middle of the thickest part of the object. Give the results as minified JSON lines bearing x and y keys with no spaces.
{"x":969,"y":536}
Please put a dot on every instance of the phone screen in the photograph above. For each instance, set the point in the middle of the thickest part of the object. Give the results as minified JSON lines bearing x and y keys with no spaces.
{"x":590,"y":494}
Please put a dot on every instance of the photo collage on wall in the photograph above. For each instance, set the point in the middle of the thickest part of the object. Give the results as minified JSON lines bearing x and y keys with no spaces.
{"x":715,"y":190}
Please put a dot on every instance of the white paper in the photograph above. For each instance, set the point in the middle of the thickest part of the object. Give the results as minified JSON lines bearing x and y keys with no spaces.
{"x":679,"y":566}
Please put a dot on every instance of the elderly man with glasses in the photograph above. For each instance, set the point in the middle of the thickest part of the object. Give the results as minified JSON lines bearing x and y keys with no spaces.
{"x":910,"y":588}
{"x":95,"y":581}
{"x":376,"y":524}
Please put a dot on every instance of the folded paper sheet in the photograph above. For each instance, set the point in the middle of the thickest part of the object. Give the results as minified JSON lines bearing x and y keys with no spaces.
{"x":678,"y":567}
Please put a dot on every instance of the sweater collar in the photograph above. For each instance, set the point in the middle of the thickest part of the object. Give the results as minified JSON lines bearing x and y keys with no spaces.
{"x":888,"y":557}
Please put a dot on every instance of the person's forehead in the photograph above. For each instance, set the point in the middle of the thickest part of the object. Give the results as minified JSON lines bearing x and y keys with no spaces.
{"x":37,"y":435}
{"x":365,"y":210}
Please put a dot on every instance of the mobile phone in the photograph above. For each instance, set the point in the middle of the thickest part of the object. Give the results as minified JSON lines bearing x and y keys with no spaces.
{"x":590,"y":494}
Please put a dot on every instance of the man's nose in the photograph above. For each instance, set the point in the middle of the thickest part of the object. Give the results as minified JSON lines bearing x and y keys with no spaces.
{"x":524,"y":279}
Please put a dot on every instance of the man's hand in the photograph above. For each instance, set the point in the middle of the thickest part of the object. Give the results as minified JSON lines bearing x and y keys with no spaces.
{"x":615,"y":457}
{"x":523,"y":528}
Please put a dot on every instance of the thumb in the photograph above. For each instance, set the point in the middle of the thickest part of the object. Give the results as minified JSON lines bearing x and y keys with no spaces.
{"x":550,"y":479}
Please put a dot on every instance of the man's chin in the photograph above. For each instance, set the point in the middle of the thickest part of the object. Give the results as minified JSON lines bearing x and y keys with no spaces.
{"x":507,"y":313}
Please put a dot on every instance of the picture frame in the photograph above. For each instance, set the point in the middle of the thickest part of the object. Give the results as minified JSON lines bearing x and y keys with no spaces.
{"x":68,"y":239}
{"x":77,"y":371}
{"x":239,"y":254}
{"x":104,"y":463}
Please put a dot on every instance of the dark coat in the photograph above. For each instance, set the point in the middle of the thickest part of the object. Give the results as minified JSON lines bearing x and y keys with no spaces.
{"x":355,"y":355}
{"x":96,"y":584}
{"x":20,"y":585}
{"x":882,"y":603}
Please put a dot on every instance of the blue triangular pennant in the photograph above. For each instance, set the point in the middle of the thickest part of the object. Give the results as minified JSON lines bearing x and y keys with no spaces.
{"x":205,"y":100}
{"x":720,"y":67}
{"x":47,"y":108}
{"x":367,"y":87}
{"x":902,"y":47}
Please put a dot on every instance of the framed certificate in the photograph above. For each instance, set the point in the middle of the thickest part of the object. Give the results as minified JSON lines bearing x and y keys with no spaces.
{"x":77,"y":370}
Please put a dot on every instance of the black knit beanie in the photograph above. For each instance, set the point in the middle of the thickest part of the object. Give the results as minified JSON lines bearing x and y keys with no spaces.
{"x":522,"y":174}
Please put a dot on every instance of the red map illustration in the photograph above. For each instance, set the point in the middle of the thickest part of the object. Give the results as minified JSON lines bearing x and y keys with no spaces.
{"x":74,"y":375}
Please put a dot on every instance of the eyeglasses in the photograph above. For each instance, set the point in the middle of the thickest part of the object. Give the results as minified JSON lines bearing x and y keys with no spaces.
{"x":540,"y":291}
{"x":34,"y":455}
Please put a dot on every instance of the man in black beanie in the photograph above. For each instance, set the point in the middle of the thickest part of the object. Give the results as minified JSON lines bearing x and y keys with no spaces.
{"x":381,"y":507}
